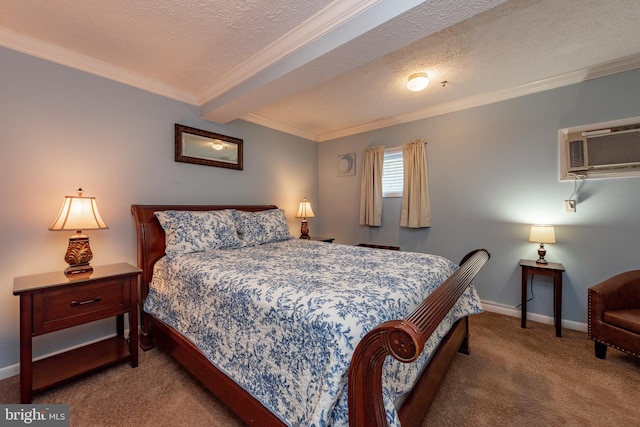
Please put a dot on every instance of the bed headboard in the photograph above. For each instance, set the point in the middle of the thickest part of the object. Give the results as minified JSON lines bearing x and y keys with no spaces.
{"x":150,"y":235}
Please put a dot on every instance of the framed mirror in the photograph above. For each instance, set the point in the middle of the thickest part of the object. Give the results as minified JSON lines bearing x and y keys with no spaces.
{"x":207,"y":148}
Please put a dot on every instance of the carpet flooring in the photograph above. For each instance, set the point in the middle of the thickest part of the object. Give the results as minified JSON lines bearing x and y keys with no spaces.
{"x":513,"y":377}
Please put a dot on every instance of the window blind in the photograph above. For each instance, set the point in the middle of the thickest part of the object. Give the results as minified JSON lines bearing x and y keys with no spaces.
{"x":392,"y":173}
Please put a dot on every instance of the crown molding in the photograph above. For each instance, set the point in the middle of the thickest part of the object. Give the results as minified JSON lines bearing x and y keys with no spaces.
{"x":606,"y":69}
{"x":272,"y":124}
{"x":328,"y":19}
{"x":66,"y":57}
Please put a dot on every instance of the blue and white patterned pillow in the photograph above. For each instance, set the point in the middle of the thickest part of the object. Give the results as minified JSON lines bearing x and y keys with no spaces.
{"x":198,"y":231}
{"x":256,"y":228}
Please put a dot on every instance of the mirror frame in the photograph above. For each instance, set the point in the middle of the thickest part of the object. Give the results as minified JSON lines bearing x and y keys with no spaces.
{"x":180,"y":156}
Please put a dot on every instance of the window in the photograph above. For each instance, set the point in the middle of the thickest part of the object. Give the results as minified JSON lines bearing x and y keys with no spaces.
{"x":392,"y":173}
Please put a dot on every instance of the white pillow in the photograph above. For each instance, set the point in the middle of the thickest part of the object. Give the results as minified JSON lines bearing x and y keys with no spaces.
{"x":256,"y":228}
{"x":198,"y":231}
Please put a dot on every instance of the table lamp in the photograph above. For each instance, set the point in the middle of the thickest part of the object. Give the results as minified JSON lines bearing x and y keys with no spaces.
{"x":78,"y":213}
{"x":304,"y":212}
{"x":542,"y":234}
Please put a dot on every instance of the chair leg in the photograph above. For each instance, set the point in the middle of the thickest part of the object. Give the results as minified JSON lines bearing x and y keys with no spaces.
{"x":601,"y":350}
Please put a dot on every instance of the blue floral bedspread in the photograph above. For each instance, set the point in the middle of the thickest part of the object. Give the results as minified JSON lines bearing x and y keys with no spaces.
{"x":283,"y":319}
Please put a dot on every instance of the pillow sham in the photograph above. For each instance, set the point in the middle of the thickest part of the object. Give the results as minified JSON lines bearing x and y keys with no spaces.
{"x":198,"y":231}
{"x":257,"y":228}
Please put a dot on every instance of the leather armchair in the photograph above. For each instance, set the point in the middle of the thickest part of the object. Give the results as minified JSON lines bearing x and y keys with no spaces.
{"x":614,"y":314}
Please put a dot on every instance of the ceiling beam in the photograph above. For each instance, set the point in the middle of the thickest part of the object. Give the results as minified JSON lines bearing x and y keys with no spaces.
{"x":232,"y":96}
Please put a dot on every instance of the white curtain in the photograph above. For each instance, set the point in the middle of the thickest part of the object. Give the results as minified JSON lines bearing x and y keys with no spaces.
{"x":416,"y":211}
{"x":371,"y":186}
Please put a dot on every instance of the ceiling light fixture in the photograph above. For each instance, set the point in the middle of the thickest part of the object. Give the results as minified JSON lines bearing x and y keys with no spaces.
{"x":417,"y":82}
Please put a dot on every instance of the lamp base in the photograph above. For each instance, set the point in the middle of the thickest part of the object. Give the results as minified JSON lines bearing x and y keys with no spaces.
{"x":541,"y":253}
{"x":78,"y":269}
{"x":78,"y":254}
{"x":304,"y":230}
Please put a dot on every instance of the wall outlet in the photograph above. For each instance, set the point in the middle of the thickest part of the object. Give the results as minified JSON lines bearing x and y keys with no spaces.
{"x":570,"y":206}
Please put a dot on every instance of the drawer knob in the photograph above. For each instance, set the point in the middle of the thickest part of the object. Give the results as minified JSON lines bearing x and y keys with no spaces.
{"x":89,"y":301}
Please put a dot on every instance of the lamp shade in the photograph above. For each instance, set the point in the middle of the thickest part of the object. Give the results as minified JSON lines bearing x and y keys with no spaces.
{"x":542,"y":234}
{"x":304,"y":210}
{"x":79,"y":213}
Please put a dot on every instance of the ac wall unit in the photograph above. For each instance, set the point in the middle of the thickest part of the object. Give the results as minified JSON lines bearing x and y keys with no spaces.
{"x":604,"y":150}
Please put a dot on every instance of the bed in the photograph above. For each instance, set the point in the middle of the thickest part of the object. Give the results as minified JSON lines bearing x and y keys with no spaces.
{"x":378,"y":373}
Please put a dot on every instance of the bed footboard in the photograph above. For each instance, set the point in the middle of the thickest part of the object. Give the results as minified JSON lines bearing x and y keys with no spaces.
{"x":404,"y":340}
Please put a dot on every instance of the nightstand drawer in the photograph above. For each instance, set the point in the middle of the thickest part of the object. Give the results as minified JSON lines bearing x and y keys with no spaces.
{"x":74,"y":305}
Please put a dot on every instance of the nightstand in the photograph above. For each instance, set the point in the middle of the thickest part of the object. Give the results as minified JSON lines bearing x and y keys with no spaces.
{"x":323,"y":239}
{"x":52,"y":301}
{"x":552,"y":269}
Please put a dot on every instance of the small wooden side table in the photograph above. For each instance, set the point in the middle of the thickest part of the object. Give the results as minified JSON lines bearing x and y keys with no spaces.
{"x":552,"y":269}
{"x":52,"y":301}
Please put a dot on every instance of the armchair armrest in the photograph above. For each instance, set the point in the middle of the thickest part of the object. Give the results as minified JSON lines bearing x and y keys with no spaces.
{"x":616,"y":293}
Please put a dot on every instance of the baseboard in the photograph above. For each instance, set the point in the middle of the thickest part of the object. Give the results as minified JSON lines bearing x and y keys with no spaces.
{"x":515,"y":312}
{"x":12,"y":370}
{"x":9,"y":371}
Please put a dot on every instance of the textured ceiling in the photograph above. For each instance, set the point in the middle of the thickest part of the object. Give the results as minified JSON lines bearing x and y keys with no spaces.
{"x":323,"y":69}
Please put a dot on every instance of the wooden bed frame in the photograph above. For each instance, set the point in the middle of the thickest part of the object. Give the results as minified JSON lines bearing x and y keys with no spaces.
{"x":403,"y":339}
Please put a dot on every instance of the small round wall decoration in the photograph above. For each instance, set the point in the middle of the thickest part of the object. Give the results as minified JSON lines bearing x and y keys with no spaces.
{"x":347,"y":164}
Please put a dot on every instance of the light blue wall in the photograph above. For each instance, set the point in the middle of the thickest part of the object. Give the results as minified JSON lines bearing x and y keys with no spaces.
{"x":493,"y":171}
{"x":61,"y":129}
